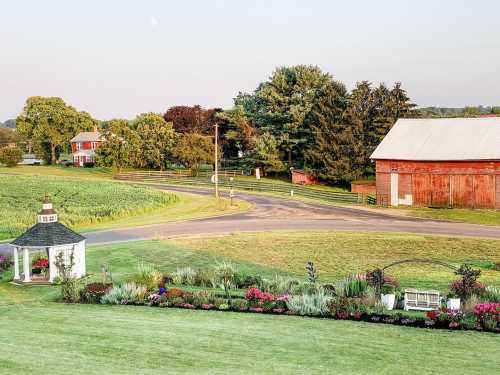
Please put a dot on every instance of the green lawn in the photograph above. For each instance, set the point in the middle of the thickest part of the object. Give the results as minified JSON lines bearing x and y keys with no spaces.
{"x":488,"y":217}
{"x":89,"y":339}
{"x":45,"y":337}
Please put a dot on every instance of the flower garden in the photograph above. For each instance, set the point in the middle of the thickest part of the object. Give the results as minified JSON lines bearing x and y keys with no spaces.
{"x":356,"y":297}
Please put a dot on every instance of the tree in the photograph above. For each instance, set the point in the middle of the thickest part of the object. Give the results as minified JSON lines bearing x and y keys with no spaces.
{"x":187,"y":119}
{"x":193,"y":149}
{"x":121,"y":147}
{"x":51,"y":121}
{"x":265,"y":154}
{"x":238,"y":132}
{"x":337,"y":152}
{"x":281,"y":105}
{"x":157,"y":140}
{"x":8,"y":136}
{"x":11,"y":156}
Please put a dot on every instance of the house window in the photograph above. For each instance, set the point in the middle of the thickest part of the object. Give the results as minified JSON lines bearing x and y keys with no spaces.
{"x":94,"y":145}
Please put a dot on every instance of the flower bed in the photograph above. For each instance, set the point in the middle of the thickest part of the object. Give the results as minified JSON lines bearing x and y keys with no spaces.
{"x":352,"y":298}
{"x":485,"y":317}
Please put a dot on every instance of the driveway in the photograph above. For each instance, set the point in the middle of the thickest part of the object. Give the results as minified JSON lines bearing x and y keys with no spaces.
{"x":272,"y":213}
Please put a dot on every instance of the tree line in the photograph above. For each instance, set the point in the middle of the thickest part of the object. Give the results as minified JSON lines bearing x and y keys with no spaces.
{"x":299,"y":117}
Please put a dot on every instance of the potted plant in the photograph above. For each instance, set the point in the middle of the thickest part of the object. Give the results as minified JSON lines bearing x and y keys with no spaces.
{"x":388,"y":296}
{"x":453,"y":301}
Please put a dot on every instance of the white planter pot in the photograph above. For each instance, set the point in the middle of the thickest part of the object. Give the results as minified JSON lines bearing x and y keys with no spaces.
{"x":453,"y":303}
{"x":388,"y":300}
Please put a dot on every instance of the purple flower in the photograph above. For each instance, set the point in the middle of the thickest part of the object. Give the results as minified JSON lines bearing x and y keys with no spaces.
{"x":162,"y":290}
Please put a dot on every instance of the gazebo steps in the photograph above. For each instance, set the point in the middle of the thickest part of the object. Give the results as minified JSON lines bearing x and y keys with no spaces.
{"x":32,"y":282}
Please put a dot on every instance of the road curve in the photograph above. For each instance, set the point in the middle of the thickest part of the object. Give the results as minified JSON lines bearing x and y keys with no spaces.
{"x":273,"y":213}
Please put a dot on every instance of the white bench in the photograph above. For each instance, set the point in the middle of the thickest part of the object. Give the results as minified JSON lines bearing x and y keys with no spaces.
{"x":421,"y":300}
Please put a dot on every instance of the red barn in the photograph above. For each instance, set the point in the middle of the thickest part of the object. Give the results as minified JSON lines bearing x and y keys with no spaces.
{"x":440,"y":163}
{"x":301,"y":177}
{"x":83,"y":147}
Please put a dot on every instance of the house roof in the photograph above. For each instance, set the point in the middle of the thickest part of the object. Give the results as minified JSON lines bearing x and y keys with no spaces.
{"x":46,"y":235}
{"x":442,"y":139}
{"x":87,"y":137}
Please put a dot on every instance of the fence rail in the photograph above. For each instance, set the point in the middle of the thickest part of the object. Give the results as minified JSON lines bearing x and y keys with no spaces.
{"x":169,"y":178}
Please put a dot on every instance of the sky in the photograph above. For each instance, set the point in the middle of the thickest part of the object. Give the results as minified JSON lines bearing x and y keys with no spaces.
{"x":119,"y":58}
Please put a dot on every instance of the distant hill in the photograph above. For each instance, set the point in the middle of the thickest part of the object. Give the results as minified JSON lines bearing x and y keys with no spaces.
{"x":431,"y":112}
{"x":9,"y":124}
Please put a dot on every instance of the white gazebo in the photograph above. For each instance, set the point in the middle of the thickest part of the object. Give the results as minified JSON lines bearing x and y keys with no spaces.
{"x":52,"y":237}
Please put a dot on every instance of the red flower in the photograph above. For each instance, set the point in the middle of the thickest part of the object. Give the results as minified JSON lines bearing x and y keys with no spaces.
{"x":41,"y":263}
{"x":432,"y":315}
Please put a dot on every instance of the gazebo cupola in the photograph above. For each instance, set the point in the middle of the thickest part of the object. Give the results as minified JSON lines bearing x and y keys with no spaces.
{"x":47,"y":214}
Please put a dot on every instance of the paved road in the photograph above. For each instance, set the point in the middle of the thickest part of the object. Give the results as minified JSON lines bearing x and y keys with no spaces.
{"x":271,"y":213}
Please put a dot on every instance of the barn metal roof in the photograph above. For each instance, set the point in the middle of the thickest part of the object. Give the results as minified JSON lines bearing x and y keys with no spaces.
{"x":87,"y":137}
{"x":442,"y":139}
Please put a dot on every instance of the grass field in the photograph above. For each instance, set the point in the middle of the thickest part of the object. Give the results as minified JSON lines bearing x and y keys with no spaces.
{"x":90,"y":339}
{"x":131,"y":339}
{"x":97,"y":204}
{"x":337,"y":253}
{"x":488,"y":217}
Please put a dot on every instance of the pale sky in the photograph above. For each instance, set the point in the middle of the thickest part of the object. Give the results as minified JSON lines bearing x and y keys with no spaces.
{"x":119,"y":58}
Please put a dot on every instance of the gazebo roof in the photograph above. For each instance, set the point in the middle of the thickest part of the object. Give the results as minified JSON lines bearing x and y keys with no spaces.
{"x":46,"y":235}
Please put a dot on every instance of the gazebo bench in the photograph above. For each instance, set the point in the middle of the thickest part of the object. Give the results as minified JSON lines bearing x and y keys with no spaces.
{"x":421,"y":300}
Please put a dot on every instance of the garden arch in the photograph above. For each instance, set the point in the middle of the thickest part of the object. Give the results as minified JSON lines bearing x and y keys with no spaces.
{"x":378,"y":274}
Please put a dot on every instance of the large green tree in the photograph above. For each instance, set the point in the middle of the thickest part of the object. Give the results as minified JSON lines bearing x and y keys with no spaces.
{"x":121,"y":146}
{"x":157,"y":140}
{"x":50,"y":121}
{"x":193,"y":149}
{"x":281,"y":105}
{"x":264,"y":154}
{"x":337,"y":152}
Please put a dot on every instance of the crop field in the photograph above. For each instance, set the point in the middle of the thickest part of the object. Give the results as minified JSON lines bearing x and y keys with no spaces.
{"x":78,"y":202}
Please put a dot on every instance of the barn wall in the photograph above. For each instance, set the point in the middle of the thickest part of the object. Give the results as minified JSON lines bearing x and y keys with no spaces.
{"x":442,"y":184}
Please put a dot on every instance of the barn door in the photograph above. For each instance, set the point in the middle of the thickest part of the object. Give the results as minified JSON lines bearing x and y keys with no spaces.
{"x":394,"y":189}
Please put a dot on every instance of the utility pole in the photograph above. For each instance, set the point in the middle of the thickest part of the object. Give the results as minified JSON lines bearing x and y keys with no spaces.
{"x":216,"y":161}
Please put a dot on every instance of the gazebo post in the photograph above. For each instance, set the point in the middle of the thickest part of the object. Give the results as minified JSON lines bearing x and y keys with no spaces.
{"x":16,"y":264}
{"x":27,"y":270}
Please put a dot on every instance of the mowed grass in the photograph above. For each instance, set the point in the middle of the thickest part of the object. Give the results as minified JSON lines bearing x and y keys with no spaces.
{"x":93,"y":339}
{"x":335,"y":254}
{"x":45,"y":337}
{"x":488,"y":217}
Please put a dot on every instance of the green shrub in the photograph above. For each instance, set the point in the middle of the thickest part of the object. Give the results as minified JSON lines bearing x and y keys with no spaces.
{"x":351,"y":286}
{"x":306,"y":287}
{"x":10,"y":156}
{"x":225,"y":276}
{"x":239,"y":304}
{"x":280,"y":285}
{"x":310,"y":304}
{"x":205,"y":278}
{"x":125,"y":294}
{"x":492,"y":294}
{"x":147,"y":275}
{"x":184,"y":275}
{"x":70,"y":286}
{"x":388,"y":289}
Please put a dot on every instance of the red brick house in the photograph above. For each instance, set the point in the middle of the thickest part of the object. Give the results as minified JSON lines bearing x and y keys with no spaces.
{"x":83,"y":147}
{"x":440,"y":163}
